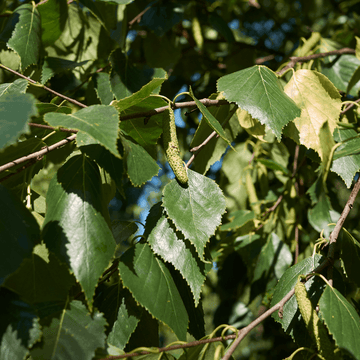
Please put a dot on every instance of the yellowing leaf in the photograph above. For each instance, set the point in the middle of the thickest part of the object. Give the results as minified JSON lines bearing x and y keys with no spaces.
{"x":252,"y":126}
{"x":319,"y":102}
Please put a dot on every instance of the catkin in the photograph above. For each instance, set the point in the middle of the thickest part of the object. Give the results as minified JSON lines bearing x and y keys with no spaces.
{"x":171,"y":146}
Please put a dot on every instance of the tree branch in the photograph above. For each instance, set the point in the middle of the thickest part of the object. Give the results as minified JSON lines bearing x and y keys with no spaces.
{"x":37,"y":153}
{"x":75,"y":102}
{"x":295,"y":59}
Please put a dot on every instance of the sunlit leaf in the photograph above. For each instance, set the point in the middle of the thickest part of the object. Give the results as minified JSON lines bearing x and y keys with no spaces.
{"x":258,"y":91}
{"x":195,"y":209}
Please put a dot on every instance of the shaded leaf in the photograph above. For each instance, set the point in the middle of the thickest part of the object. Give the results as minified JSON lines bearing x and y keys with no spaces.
{"x":347,"y":166}
{"x":238,"y":219}
{"x":19,"y":233}
{"x":53,"y":66}
{"x":321,"y":215}
{"x":37,"y":280}
{"x":123,"y":327}
{"x":97,"y":122}
{"x":103,"y":87}
{"x":76,"y":335}
{"x":75,"y":228}
{"x":167,"y":243}
{"x":127,"y":79}
{"x":26,"y":38}
{"x":53,"y":17}
{"x":271,"y":164}
{"x":144,"y":273}
{"x":258,"y":91}
{"x":212,"y":122}
{"x":140,"y":165}
{"x":341,"y":319}
{"x":350,"y":256}
{"x":16,"y":110}
{"x":195,"y":209}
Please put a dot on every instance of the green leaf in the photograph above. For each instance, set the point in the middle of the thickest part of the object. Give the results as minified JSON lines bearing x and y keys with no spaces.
{"x":16,"y":111}
{"x":53,"y":17}
{"x":124,"y":326}
{"x":350,"y":256}
{"x":26,"y":38}
{"x":346,"y":167}
{"x":196,"y":209}
{"x":53,"y":66}
{"x":274,"y":259}
{"x":166,"y":242}
{"x":315,"y":110}
{"x":258,"y":91}
{"x":16,"y":87}
{"x":105,"y":159}
{"x":348,"y":148}
{"x":127,"y":79}
{"x":162,"y":17}
{"x":217,"y":146}
{"x":238,"y":219}
{"x":37,"y":280}
{"x":76,"y":335}
{"x":141,"y":166}
{"x":103,"y":87}
{"x":341,"y":319}
{"x":202,"y":351}
{"x":210,"y":119}
{"x":271,"y":164}
{"x":11,"y":347}
{"x":97,"y":122}
{"x":19,"y":233}
{"x":340,"y":71}
{"x":145,"y":133}
{"x":321,"y":215}
{"x":291,"y":320}
{"x":75,"y":228}
{"x":140,"y":95}
{"x":119,"y":2}
{"x":143,"y":273}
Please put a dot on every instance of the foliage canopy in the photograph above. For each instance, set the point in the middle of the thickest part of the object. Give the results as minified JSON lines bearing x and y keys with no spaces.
{"x":246,"y":185}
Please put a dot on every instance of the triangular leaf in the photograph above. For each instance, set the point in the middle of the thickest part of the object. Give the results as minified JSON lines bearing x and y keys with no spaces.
{"x":19,"y":233}
{"x":26,"y":38}
{"x":319,"y":101}
{"x":76,"y":335}
{"x":195,"y":209}
{"x":99,"y":122}
{"x":141,"y":166}
{"x":16,"y":111}
{"x":258,"y":91}
{"x":165,"y":242}
{"x":144,"y":273}
{"x":341,"y":319}
{"x":75,"y":228}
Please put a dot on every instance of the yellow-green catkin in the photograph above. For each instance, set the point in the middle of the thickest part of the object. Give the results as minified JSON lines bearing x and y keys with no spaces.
{"x":171,"y":146}
{"x":315,"y":328}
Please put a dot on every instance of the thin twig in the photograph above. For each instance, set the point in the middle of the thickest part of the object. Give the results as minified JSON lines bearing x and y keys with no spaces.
{"x":296,"y":244}
{"x":37,"y":153}
{"x":48,"y":127}
{"x":174,"y":347}
{"x":348,"y":107}
{"x":138,"y":17}
{"x":75,"y":102}
{"x":296,"y":59}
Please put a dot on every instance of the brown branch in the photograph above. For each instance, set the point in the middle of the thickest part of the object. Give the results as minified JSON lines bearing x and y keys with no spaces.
{"x":75,"y":102}
{"x":37,"y":153}
{"x":24,"y":167}
{"x":179,"y":105}
{"x":48,"y":127}
{"x":295,"y":59}
{"x":138,"y":17}
{"x":349,"y":107}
